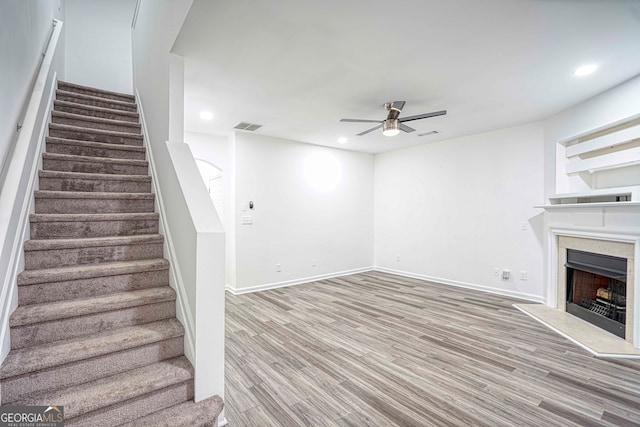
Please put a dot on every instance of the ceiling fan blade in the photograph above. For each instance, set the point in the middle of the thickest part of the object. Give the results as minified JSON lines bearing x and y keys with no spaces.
{"x":423,"y":116}
{"x":360,"y":121}
{"x":406,"y":128}
{"x":370,"y":130}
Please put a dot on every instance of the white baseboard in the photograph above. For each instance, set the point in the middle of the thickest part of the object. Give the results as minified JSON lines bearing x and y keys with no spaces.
{"x":466,"y":285}
{"x":293,"y":282}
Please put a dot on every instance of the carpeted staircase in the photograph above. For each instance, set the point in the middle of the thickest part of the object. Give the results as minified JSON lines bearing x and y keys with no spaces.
{"x":95,"y":329}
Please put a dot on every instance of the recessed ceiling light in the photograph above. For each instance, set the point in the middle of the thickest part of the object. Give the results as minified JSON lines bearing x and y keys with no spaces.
{"x":342,"y":140}
{"x":206,"y":115}
{"x":585,"y":70}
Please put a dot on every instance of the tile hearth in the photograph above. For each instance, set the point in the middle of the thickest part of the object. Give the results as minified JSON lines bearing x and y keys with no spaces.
{"x":592,"y":338}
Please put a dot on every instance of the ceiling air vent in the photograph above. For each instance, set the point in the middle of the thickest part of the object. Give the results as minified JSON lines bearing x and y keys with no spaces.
{"x":428,"y":133}
{"x":247,"y":126}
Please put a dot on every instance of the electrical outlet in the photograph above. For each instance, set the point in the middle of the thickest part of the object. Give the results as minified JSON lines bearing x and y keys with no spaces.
{"x":397,"y":258}
{"x":314,"y":262}
{"x":523,"y":275}
{"x":524,"y":226}
{"x":278,"y":268}
{"x":506,"y":274}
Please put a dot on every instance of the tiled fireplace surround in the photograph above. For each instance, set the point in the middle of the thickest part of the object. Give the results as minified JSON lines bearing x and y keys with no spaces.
{"x":608,"y":229}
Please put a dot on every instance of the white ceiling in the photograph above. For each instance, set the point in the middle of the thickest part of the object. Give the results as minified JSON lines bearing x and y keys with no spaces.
{"x":298,"y":67}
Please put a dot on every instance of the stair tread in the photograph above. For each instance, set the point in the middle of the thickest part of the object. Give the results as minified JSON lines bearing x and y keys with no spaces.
{"x":64,"y":114}
{"x":46,"y":275}
{"x":105,"y":91}
{"x":95,"y":98}
{"x":58,"y":353}
{"x":188,"y":413}
{"x":42,"y":194}
{"x":92,"y":176}
{"x":94,"y":131}
{"x":105,"y":145}
{"x":91,"y":242}
{"x":93,"y":217}
{"x":84,"y":398}
{"x":50,"y":311}
{"x":73,"y":157}
{"x":94,"y":108}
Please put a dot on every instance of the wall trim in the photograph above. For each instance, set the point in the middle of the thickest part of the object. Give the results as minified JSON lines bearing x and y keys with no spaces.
{"x":175,"y":277}
{"x":294,"y":282}
{"x":466,"y":285}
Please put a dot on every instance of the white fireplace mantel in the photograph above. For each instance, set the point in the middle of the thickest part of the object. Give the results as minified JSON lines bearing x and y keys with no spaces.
{"x":604,"y":221}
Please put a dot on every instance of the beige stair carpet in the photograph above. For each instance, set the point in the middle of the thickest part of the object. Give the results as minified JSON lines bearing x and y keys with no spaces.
{"x":96,"y":330}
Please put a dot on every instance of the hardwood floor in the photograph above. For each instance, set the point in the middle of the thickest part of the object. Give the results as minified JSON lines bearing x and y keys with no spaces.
{"x":375,"y":349}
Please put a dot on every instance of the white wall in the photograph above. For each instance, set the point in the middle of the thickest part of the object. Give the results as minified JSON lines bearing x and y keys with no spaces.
{"x":616,"y":104}
{"x":39,"y":64}
{"x":453,"y":210}
{"x":98,"y":49}
{"x":24,"y":30}
{"x":312,"y":205}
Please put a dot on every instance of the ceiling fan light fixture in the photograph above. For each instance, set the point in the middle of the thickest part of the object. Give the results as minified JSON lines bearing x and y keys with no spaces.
{"x":390,"y":127}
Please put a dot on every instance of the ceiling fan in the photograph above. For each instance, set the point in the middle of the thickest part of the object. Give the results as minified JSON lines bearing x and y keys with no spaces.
{"x":392,"y":125}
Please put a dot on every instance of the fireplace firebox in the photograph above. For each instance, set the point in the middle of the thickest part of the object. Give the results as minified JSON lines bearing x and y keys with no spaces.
{"x":597,"y":289}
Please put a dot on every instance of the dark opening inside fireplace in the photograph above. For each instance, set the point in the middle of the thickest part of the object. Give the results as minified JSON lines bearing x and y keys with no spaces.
{"x":597,"y":289}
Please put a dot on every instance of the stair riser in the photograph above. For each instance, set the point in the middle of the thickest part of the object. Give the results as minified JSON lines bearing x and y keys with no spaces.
{"x":97,"y":93}
{"x":47,"y":332}
{"x":35,"y":260}
{"x":94,"y":185}
{"x":68,"y":206}
{"x":135,"y":408}
{"x":75,"y":230}
{"x":95,"y":137}
{"x":93,"y":167}
{"x":96,"y":103}
{"x":78,"y":109}
{"x":132,"y":128}
{"x":15,"y":388}
{"x":91,"y":287}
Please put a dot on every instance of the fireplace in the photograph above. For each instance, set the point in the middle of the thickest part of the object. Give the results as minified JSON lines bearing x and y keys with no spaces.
{"x":587,"y":264}
{"x":596,"y":289}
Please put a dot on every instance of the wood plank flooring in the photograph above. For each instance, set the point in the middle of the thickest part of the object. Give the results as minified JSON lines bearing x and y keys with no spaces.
{"x":374,"y":349}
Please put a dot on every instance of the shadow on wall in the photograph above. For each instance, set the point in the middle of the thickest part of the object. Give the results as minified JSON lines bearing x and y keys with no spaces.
{"x":537,"y":226}
{"x":212,"y":177}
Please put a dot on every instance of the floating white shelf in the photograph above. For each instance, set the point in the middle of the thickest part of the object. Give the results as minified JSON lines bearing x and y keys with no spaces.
{"x":612,"y":147}
{"x":621,"y":196}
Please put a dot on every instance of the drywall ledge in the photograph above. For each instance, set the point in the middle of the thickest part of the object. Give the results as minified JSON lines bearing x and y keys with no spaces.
{"x":201,"y":235}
